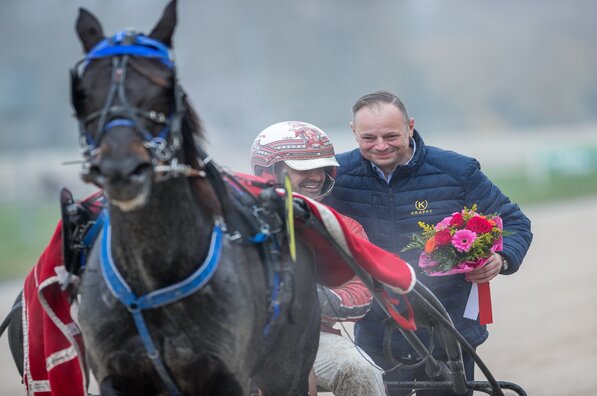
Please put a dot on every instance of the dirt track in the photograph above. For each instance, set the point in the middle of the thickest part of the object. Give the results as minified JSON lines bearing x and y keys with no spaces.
{"x":544,"y":335}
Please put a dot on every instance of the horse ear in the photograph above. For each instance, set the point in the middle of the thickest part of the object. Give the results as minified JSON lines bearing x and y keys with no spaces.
{"x":89,"y":29}
{"x":164,"y":29}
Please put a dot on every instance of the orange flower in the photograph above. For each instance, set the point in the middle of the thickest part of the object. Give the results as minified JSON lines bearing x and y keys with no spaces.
{"x":430,"y":245}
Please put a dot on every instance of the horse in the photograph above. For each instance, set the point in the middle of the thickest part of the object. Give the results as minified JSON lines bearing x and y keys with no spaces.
{"x":171,"y":303}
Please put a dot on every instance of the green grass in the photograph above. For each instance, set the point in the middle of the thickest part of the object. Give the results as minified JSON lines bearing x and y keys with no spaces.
{"x":26,"y":230}
{"x":24,"y":233}
{"x":556,"y":188}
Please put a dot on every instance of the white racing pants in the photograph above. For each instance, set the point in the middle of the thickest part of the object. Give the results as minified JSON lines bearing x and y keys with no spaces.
{"x":344,"y":369}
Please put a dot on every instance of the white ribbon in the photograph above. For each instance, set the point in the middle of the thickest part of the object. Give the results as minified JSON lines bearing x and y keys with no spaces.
{"x":471,"y":311}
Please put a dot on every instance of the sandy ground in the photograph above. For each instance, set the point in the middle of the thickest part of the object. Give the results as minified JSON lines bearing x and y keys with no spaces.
{"x":545,"y":316}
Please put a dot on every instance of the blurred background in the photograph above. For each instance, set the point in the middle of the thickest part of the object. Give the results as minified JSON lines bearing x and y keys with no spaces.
{"x":511,"y":83}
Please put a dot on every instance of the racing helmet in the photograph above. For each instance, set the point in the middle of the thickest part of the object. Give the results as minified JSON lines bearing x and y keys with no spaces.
{"x":299,"y":145}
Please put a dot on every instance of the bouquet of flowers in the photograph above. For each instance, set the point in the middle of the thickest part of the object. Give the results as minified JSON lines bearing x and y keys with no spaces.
{"x":459,"y":243}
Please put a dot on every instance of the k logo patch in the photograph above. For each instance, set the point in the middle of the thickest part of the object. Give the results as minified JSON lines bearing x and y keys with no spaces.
{"x":421,"y":205}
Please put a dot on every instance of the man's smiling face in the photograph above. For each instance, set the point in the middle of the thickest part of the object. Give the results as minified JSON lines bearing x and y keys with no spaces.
{"x":306,"y":182}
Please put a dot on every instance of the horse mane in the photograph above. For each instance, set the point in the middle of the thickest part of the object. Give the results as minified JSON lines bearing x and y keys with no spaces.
{"x":192,"y":128}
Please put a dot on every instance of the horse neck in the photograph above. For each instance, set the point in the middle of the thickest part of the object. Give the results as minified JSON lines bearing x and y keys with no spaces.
{"x":163,"y":242}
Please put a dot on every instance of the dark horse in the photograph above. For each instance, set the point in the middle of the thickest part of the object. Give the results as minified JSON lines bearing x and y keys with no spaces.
{"x":167,"y":304}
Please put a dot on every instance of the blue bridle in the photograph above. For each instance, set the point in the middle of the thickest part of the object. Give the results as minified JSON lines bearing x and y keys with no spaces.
{"x":120,"y":48}
{"x":122,"y":43}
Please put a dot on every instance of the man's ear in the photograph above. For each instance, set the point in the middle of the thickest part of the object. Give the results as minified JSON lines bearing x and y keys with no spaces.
{"x":353,"y":131}
{"x":411,"y":126}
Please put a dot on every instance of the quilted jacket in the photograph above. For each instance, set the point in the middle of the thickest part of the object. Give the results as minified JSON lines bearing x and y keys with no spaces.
{"x":433,"y":185}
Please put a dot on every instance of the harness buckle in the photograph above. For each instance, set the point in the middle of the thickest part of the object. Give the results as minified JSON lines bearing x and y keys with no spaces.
{"x":233,"y":237}
{"x":159,"y":147}
{"x":157,"y":117}
{"x":260,"y":214}
{"x":130,"y":36}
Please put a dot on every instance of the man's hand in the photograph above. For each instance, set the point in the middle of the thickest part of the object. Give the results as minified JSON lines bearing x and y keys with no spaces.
{"x":490,"y":270}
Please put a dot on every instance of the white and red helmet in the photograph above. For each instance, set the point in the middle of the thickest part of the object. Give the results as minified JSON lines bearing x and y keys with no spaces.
{"x":300,"y":145}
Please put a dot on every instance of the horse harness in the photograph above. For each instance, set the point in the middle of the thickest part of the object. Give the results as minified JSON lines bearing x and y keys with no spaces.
{"x":261,"y":226}
{"x":83,"y":222}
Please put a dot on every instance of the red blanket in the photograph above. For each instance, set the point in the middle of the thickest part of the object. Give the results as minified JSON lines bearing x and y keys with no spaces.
{"x":380,"y":264}
{"x":332,"y":270}
{"x":53,"y":346}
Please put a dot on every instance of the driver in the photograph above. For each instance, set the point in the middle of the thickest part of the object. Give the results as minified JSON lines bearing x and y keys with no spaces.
{"x":305,"y":153}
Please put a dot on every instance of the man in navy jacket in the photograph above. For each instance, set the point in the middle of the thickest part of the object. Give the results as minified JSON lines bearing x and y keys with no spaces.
{"x":393,"y":181}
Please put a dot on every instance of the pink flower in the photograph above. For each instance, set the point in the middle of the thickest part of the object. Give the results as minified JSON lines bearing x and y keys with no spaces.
{"x":445,"y":223}
{"x":463,"y":240}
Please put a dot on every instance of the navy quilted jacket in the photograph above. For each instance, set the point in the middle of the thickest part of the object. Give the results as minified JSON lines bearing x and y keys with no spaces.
{"x":433,"y":185}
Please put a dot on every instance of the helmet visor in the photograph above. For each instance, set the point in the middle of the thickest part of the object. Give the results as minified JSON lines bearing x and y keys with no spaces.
{"x":302,"y":165}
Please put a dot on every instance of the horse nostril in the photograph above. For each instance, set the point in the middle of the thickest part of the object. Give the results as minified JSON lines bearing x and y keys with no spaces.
{"x":94,"y":175}
{"x":141,"y":171}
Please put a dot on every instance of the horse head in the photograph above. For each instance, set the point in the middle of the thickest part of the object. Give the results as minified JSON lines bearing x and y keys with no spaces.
{"x":130,"y":108}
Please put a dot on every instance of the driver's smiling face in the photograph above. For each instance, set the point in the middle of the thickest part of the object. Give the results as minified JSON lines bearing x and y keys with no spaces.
{"x":306,"y":182}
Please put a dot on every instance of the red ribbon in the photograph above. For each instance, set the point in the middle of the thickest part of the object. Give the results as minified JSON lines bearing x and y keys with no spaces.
{"x":407,"y":322}
{"x":485,"y":312}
